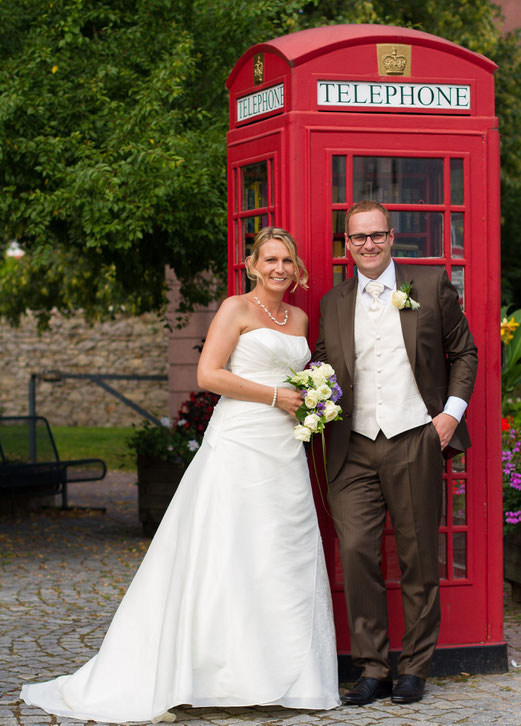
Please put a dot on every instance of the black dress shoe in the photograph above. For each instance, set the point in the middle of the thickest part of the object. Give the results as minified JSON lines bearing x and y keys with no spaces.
{"x":366,"y":690}
{"x":408,"y":689}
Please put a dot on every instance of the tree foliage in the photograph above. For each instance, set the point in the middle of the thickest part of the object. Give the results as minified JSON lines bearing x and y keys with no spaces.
{"x":113,"y":116}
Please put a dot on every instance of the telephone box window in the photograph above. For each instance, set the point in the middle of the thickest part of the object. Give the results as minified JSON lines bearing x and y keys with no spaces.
{"x":459,"y":502}
{"x":442,"y":556}
{"x":458,"y":280}
{"x":417,"y":234}
{"x":250,"y":227}
{"x":255,"y":186}
{"x":401,"y":180}
{"x":457,"y":235}
{"x":339,"y":179}
{"x":339,"y":274}
{"x":456,"y":181}
{"x":459,"y":555}
{"x":458,"y":462}
{"x":339,"y":240}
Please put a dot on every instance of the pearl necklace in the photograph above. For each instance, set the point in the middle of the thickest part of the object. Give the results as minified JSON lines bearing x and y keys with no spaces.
{"x":270,"y":315}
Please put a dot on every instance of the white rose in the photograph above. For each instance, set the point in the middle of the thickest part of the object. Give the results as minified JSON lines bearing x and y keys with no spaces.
{"x":331,"y":411}
{"x":311,"y":421}
{"x":302,"y":433}
{"x":327,"y":370}
{"x":312,"y":398}
{"x":399,"y":298}
{"x":165,"y":421}
{"x":317,"y":376}
{"x":193,"y":445}
{"x":414,"y":305}
{"x":324,"y":392}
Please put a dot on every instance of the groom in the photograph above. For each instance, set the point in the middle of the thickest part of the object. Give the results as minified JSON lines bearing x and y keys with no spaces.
{"x":407,"y":374}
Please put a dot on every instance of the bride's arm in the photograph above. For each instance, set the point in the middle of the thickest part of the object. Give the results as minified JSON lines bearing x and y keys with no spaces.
{"x":223,"y":335}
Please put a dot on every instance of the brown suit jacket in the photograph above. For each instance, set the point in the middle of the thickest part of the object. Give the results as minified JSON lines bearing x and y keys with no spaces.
{"x":437,"y":338}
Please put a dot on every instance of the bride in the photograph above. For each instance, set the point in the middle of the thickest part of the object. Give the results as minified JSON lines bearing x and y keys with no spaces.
{"x":231,"y":604}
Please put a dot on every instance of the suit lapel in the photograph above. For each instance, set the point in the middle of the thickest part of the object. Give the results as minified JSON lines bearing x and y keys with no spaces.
{"x":346,"y":321}
{"x":408,"y":317}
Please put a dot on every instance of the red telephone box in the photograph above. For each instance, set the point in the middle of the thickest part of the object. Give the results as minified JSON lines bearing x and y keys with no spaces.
{"x":323,"y":118}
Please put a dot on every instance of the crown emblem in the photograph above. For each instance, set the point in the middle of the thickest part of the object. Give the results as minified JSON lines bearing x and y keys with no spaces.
{"x":258,"y":69}
{"x":394,"y":64}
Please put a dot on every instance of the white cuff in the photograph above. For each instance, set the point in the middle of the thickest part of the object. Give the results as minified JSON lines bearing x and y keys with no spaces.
{"x":455,"y":407}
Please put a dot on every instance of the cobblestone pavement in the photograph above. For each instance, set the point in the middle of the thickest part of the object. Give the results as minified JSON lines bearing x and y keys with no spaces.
{"x":63,"y":572}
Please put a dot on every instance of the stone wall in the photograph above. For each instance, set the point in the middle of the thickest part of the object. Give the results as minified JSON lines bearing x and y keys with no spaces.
{"x":126,"y":345}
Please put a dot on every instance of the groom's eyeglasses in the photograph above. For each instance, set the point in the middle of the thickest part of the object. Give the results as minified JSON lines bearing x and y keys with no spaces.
{"x":378,"y":238}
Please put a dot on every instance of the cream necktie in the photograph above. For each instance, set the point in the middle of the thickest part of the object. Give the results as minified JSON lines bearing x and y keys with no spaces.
{"x":375,"y":289}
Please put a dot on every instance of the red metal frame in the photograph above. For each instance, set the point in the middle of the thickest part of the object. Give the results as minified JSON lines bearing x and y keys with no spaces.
{"x":301,"y":139}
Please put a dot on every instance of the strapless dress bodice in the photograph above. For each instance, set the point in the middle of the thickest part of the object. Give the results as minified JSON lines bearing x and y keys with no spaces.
{"x":267,"y":356}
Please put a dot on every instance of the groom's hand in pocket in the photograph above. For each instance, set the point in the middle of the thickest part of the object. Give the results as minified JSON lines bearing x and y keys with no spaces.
{"x":445,"y":425}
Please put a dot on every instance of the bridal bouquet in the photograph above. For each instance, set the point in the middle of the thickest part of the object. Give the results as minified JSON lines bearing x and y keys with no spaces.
{"x":320,"y":392}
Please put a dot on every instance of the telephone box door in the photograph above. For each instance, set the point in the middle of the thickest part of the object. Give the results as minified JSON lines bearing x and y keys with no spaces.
{"x":432,"y":184}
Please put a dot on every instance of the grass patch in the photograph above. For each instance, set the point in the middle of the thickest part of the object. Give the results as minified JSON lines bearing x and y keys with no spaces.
{"x":99,"y":442}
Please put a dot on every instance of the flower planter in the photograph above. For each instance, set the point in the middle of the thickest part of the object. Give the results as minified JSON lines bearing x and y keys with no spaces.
{"x":512,"y":562}
{"x":157,"y":483}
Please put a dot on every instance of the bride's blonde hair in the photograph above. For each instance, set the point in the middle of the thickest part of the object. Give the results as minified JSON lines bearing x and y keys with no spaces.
{"x":277,"y":233}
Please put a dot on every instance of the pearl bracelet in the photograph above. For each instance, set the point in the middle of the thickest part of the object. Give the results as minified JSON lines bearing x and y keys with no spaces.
{"x":274,"y":397}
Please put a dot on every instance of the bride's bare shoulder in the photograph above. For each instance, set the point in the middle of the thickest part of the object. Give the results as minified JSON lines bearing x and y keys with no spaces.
{"x":300,"y":318}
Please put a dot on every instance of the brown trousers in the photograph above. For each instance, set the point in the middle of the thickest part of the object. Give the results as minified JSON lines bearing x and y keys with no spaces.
{"x":402,"y":475}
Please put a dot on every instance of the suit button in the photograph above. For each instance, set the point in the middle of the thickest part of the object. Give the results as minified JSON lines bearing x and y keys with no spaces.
{"x":351,"y":387}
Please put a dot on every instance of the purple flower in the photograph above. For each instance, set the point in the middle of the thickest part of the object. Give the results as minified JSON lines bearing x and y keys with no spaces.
{"x":336,"y":393}
{"x":513,"y":517}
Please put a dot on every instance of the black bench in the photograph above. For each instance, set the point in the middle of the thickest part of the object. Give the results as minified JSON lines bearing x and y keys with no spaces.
{"x":30,"y":464}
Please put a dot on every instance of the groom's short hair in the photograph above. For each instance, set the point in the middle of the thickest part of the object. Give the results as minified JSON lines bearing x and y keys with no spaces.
{"x":367,"y":206}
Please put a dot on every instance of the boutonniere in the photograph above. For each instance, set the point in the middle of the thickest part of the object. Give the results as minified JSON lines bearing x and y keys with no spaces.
{"x":402,"y":298}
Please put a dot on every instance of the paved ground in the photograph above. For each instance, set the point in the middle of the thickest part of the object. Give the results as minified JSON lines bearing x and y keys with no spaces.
{"x":62,"y":573}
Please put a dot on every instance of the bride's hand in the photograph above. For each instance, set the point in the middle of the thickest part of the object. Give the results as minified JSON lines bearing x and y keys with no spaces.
{"x":289,"y":400}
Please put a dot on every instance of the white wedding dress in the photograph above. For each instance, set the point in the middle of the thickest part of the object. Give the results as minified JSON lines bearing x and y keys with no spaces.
{"x":231,"y":604}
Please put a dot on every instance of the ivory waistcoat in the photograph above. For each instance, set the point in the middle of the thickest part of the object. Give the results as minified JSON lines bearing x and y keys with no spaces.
{"x":386,"y":395}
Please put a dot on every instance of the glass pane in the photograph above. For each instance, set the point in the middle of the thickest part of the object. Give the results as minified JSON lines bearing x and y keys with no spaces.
{"x":247,"y":284}
{"x":417,"y":234}
{"x":459,"y":463}
{"x":459,"y":502}
{"x":339,"y":274}
{"x":456,"y":181}
{"x":390,"y":564}
{"x":398,"y":180}
{"x":272,"y":183}
{"x":250,"y":227}
{"x":254,"y":193}
{"x":235,"y":190}
{"x":459,"y":554}
{"x":237,"y":289}
{"x":442,"y":556}
{"x":443,"y":520}
{"x":458,"y":280}
{"x":339,"y":179}
{"x":237,"y":241}
{"x":456,"y":235}
{"x":339,"y":242}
